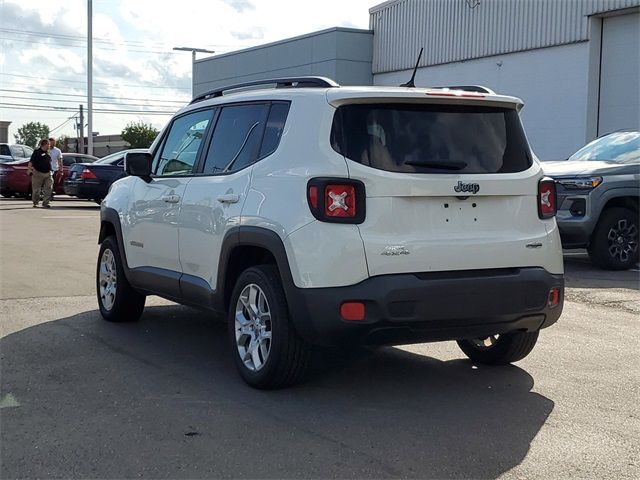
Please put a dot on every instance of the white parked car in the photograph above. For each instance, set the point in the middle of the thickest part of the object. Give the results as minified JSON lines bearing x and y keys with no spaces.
{"x":314,"y":214}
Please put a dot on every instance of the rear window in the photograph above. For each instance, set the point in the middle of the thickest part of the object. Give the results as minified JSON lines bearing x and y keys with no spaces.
{"x":432,"y":138}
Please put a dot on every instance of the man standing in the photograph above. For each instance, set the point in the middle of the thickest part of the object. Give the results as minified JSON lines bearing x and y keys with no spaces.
{"x":56,"y":163}
{"x":40,"y":171}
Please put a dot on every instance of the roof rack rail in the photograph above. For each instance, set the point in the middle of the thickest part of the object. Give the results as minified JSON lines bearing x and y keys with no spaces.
{"x":288,"y":82}
{"x":468,"y":88}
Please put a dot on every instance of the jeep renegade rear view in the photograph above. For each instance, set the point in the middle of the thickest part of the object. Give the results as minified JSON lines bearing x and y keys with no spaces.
{"x":312,"y":214}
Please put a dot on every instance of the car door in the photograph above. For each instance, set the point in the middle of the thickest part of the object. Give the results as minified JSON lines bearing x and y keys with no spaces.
{"x":214,"y":198}
{"x":151,"y":237}
{"x":113,"y":173}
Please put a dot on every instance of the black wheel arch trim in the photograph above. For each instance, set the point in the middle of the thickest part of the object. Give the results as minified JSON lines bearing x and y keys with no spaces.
{"x":253,"y":237}
{"x":270,"y":241}
{"x":109,"y":216}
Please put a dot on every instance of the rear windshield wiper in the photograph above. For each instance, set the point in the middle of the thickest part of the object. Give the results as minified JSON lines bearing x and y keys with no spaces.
{"x":449,"y":165}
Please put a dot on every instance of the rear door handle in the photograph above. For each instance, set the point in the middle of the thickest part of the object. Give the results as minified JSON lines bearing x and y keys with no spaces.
{"x":229,"y":198}
{"x":171,"y":198}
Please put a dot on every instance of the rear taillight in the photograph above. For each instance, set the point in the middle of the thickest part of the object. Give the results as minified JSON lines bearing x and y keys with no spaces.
{"x":336,"y":200}
{"x":340,"y":201}
{"x":88,"y":175}
{"x":547,"y":199}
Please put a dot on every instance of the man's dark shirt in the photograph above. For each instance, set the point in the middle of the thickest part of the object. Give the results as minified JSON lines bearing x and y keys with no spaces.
{"x":41,"y":161}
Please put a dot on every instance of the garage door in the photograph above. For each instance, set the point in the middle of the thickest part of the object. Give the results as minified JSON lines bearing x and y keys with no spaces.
{"x":620,"y":74}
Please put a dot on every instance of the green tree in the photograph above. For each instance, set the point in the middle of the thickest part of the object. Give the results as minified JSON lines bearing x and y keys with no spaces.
{"x":61,"y":143}
{"x":31,"y":133}
{"x":139,"y":134}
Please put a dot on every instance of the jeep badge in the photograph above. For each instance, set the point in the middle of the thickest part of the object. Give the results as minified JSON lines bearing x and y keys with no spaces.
{"x":467,"y":187}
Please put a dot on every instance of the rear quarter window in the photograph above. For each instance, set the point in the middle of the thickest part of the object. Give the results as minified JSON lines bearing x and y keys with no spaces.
{"x":432,"y":138}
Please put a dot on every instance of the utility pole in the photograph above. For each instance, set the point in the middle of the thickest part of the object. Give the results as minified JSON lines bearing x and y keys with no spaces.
{"x":90,"y":77}
{"x":81,"y":129}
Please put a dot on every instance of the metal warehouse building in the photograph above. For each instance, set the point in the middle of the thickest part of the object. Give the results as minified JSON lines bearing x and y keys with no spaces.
{"x":575,"y":63}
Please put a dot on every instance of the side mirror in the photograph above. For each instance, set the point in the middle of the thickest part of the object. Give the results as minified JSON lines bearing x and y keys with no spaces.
{"x":138,"y":164}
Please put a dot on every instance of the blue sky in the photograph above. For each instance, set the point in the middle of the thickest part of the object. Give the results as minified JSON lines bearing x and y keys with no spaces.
{"x":43,"y":52}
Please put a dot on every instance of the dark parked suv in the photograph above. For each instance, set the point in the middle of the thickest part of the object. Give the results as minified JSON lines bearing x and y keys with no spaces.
{"x":598,"y":189}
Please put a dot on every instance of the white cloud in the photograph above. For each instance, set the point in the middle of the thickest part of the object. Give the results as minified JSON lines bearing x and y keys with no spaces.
{"x":57,"y":61}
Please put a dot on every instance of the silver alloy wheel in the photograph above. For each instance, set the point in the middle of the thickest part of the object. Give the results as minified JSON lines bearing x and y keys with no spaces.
{"x":486,"y":342}
{"x":623,"y":240}
{"x":108,"y":279}
{"x":253,"y":327}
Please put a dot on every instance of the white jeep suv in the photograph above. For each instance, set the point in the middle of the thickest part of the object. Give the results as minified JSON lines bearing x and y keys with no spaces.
{"x":314,"y":214}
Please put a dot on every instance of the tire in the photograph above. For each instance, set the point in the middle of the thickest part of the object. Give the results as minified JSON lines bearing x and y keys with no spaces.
{"x":500,"y":349}
{"x":280,"y":357}
{"x":117,"y":299}
{"x":614,"y":243}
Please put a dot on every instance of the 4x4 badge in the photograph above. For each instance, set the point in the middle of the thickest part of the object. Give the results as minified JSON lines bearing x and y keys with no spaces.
{"x":467,"y":187}
{"x":393,"y":250}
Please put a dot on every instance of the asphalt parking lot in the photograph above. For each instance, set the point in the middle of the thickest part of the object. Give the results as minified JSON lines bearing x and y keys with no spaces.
{"x":81,"y":398}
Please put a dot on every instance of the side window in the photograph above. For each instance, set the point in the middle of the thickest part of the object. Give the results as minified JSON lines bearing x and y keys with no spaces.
{"x":28,"y":151}
{"x":236,"y":138}
{"x":274,"y":128}
{"x":67,"y":161}
{"x":4,"y":150}
{"x":178,"y":153}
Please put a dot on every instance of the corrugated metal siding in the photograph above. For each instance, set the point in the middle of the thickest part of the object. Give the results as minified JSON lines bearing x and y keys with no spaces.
{"x":450,"y":30}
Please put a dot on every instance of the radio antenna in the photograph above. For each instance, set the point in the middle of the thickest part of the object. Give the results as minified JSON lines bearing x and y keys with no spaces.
{"x":411,"y":83}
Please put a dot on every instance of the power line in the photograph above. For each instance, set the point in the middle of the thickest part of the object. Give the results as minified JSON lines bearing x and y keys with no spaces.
{"x":96,"y":39}
{"x":59,"y":100}
{"x":182,"y":102}
{"x":99,"y":83}
{"x":62,"y":124}
{"x":28,"y":86}
{"x":21,"y":106}
{"x":71,"y":45}
{"x":75,"y":37}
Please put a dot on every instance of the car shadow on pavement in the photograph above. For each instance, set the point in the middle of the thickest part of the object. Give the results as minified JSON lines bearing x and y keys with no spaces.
{"x":580,"y":273}
{"x":161,"y":398}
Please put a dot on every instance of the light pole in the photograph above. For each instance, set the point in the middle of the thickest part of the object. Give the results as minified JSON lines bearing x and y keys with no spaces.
{"x":193,"y":57}
{"x":193,"y":51}
{"x":90,"y":76}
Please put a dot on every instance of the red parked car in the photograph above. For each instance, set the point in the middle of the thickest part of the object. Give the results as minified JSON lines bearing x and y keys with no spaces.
{"x":15,"y":182}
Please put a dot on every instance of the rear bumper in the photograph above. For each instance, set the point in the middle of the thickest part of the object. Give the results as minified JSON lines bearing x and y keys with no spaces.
{"x":84,"y":189}
{"x":434,"y":306}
